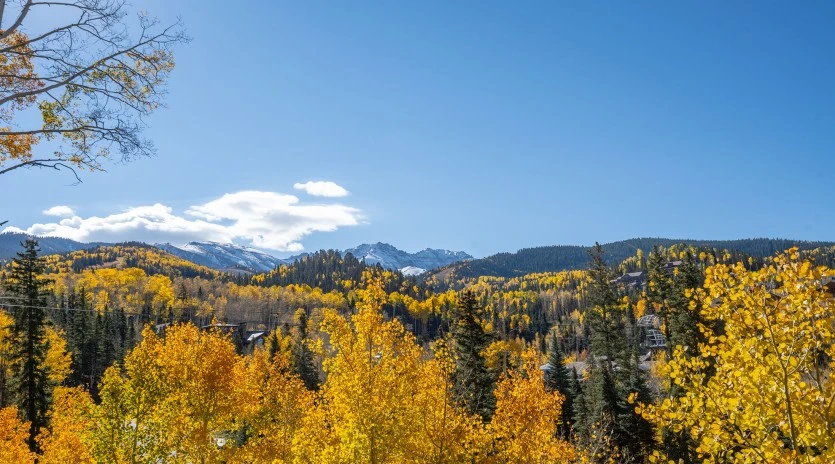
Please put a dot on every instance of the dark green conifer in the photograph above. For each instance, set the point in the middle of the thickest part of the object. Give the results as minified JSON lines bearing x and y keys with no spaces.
{"x":29,"y":387}
{"x":474,"y":383}
{"x":302,"y":354}
{"x":580,"y":408}
{"x":557,"y":379}
{"x":605,"y":317}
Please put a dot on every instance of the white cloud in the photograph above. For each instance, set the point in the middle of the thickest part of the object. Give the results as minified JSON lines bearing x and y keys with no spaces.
{"x":59,"y":210}
{"x":321,"y":188}
{"x":263,"y":219}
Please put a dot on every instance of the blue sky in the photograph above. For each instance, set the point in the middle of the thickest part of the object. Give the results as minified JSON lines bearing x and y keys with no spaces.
{"x":486,"y":126}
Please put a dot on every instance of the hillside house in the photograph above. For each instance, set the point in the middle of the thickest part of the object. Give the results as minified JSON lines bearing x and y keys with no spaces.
{"x":246,"y":341}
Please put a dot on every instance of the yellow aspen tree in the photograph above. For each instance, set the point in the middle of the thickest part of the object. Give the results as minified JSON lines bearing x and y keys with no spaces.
{"x":58,"y":359}
{"x":759,"y":389}
{"x":127,"y":426}
{"x":316,"y":441}
{"x":13,"y":436}
{"x":373,"y":373}
{"x":199,"y":391}
{"x":524,"y":425}
{"x":446,"y":433}
{"x":68,"y":438}
{"x":273,"y":402}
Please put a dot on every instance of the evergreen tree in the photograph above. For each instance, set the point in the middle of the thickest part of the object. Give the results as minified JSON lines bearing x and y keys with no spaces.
{"x":272,"y":345}
{"x":602,"y":394}
{"x":580,"y":409}
{"x":638,"y":435}
{"x":78,"y":339}
{"x":474,"y":382}
{"x":108,"y":350}
{"x":684,"y":321}
{"x":302,"y":354}
{"x":557,"y":379}
{"x":613,"y":371}
{"x":29,"y":383}
{"x":606,"y":321}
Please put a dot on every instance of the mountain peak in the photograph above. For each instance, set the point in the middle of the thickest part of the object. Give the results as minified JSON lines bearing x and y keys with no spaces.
{"x":390,"y":257}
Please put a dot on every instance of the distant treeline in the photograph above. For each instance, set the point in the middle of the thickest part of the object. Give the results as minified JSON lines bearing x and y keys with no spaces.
{"x":565,"y":257}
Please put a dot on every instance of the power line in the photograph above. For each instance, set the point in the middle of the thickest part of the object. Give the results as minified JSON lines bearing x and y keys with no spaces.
{"x":9,"y":305}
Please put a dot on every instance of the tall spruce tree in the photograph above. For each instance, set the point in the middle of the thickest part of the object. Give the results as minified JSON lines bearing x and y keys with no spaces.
{"x":557,"y":379}
{"x":580,"y":409}
{"x":613,"y":366}
{"x":29,"y":384}
{"x":302,"y":354}
{"x":684,"y":321}
{"x":474,"y":383}
{"x":605,"y":316}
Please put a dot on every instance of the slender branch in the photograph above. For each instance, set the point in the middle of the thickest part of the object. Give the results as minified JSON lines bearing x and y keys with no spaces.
{"x":17,"y":22}
{"x":28,"y":163}
{"x":83,"y":70}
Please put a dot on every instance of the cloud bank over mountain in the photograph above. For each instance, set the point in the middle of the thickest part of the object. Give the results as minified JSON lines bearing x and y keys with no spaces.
{"x":268,"y":220}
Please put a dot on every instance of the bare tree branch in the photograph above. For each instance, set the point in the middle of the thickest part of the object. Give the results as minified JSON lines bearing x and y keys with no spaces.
{"x":18,"y":21}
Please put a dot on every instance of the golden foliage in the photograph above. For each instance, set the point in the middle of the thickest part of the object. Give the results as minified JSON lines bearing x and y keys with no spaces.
{"x":67,"y":440}
{"x":759,"y":389}
{"x":272,"y":402}
{"x":13,"y":435}
{"x":525,"y":418}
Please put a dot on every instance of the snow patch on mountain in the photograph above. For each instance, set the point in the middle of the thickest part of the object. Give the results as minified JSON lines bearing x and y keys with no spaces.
{"x":412,"y":271}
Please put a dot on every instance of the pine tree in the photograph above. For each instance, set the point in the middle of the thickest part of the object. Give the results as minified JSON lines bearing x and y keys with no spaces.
{"x":474,"y":383}
{"x":557,"y":379}
{"x":302,"y":354}
{"x":29,"y":384}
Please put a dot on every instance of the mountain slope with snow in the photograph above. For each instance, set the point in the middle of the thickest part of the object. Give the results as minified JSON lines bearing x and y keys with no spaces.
{"x":229,"y":256}
{"x":224,"y":256}
{"x":409,"y":263}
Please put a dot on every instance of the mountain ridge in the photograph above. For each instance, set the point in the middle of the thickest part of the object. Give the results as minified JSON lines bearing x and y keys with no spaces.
{"x":238,"y":258}
{"x":556,"y":258}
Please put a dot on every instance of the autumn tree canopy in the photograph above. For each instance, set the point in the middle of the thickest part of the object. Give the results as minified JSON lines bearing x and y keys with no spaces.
{"x":75,"y":92}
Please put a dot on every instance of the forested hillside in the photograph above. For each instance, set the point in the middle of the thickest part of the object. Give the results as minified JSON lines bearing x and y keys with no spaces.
{"x":563,"y":257}
{"x":474,"y":345}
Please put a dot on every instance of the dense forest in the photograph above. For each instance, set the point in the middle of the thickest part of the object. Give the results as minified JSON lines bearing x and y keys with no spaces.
{"x":564,"y":257}
{"x":586,"y":365}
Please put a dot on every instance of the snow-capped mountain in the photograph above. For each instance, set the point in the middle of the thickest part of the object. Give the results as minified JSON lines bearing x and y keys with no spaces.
{"x":224,"y":255}
{"x":409,"y":263}
{"x":230,"y":256}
